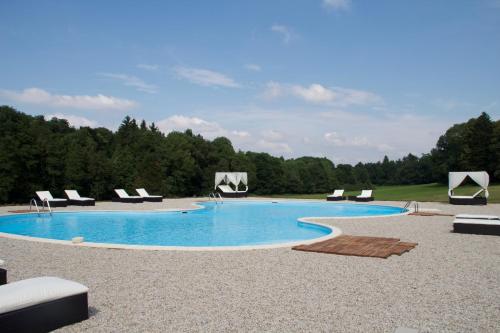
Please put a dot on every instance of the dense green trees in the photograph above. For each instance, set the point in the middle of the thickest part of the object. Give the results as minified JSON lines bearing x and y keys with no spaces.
{"x":37,"y":154}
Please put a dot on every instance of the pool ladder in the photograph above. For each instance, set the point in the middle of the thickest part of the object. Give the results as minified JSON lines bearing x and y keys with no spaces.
{"x":408,"y":206}
{"x":45,"y":202}
{"x":216,"y":197}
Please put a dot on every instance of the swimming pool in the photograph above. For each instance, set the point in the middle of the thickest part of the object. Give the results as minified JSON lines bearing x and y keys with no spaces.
{"x":231,"y":224}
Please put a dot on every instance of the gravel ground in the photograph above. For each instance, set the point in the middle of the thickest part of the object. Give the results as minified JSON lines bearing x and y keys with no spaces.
{"x":448,"y":283}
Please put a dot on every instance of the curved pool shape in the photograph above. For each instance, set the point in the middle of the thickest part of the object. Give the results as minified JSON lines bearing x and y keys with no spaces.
{"x":234,"y":223}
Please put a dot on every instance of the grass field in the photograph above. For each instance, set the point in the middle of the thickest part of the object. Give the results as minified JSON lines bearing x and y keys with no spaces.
{"x":425,"y":192}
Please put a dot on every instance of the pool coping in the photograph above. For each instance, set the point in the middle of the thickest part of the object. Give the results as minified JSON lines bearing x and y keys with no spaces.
{"x":335,"y":232}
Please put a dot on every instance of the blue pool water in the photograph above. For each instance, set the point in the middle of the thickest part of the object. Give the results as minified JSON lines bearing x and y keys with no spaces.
{"x":233,"y":223}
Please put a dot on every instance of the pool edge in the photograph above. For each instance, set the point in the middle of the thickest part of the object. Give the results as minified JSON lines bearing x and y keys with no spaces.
{"x":335,"y":232}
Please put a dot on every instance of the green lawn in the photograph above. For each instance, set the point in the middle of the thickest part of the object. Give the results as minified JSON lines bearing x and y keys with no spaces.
{"x":425,"y":192}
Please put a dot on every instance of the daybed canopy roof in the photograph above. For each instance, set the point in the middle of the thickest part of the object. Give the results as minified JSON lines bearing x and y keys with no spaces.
{"x":234,"y":178}
{"x":480,"y":177}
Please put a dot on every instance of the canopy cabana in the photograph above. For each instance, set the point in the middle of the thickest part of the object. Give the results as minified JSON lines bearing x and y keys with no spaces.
{"x":480,"y":177}
{"x":224,"y":180}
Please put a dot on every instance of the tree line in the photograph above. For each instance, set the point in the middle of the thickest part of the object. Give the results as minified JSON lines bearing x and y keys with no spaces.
{"x":38,"y":154}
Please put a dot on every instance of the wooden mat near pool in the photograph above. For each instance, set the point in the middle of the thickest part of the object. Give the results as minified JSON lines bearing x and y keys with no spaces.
{"x":361,"y":246}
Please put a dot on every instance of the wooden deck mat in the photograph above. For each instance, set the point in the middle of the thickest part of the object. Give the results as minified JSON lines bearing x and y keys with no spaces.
{"x":361,"y":246}
{"x":429,"y":214}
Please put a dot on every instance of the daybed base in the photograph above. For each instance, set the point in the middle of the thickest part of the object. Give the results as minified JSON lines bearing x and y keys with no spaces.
{"x":233,"y":195}
{"x":468,"y":201}
{"x":3,"y":276}
{"x":47,"y":316}
{"x":476,"y":228}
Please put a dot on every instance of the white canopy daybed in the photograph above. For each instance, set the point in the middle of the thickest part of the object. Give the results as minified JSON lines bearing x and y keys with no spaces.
{"x":223,"y":180}
{"x":480,"y":177}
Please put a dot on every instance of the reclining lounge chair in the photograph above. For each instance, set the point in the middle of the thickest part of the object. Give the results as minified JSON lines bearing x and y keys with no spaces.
{"x":336,"y":196}
{"x":42,"y":304}
{"x":147,"y":197}
{"x":124,"y":197}
{"x":75,"y":199}
{"x":54,"y":202}
{"x":366,"y":195}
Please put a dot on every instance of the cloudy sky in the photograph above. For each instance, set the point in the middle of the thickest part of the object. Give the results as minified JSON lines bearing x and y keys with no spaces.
{"x":351,"y":80}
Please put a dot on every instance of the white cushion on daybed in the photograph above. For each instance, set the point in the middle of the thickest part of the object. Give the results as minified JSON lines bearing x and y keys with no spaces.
{"x":226,"y":189}
{"x":478,"y":217}
{"x":476,"y":221}
{"x":21,"y":294}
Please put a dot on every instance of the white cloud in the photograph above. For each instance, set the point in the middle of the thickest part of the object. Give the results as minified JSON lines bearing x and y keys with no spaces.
{"x":75,"y":121}
{"x":253,"y":67}
{"x":132,"y":81}
{"x":273,"y":90}
{"x":272,"y":135}
{"x":148,"y":67}
{"x":241,"y":134}
{"x":208,"y":129}
{"x":319,"y":94}
{"x":42,"y":97}
{"x":205,"y":77}
{"x":279,"y":148}
{"x":360,"y":142}
{"x":337,"y":4}
{"x":286,"y":33}
{"x":315,"y":93}
{"x":181,"y":123}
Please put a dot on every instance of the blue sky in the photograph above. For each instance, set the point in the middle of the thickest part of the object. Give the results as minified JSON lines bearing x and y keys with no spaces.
{"x":352,"y":80}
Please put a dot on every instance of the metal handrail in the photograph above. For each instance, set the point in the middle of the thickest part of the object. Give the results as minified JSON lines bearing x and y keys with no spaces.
{"x":33,"y":201}
{"x":214,"y":195}
{"x":45,"y":201}
{"x":409,"y":203}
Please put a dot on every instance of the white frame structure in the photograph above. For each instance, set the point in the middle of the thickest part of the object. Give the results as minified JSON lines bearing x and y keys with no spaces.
{"x":455,"y":179}
{"x":235,"y":178}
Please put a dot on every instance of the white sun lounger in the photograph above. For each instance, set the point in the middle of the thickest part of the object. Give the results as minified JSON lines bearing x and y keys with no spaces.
{"x":42,"y":304}
{"x":75,"y":199}
{"x":54,"y":202}
{"x":477,"y":224}
{"x":366,"y":195}
{"x":124,"y":197}
{"x":147,"y":197}
{"x":336,"y":196}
